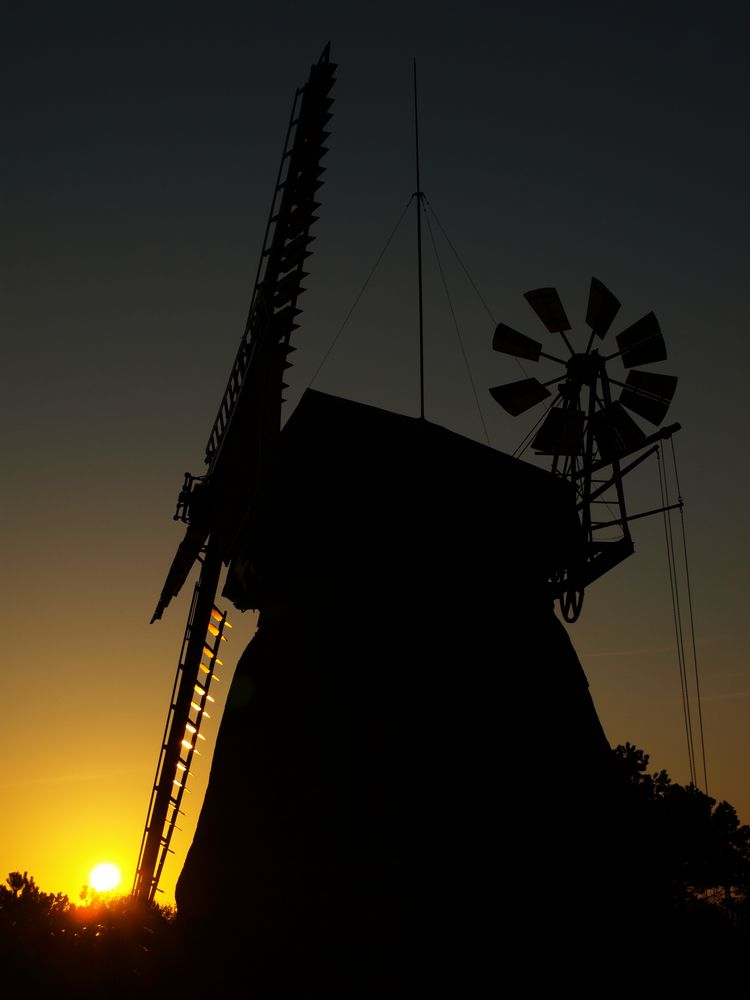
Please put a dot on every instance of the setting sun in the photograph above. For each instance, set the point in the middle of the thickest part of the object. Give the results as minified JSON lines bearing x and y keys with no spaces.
{"x":104,"y":877}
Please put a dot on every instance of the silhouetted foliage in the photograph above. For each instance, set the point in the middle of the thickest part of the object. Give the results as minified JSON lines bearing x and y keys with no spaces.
{"x":108,"y":946}
{"x":709,"y":848}
{"x":708,"y":851}
{"x":115,"y":947}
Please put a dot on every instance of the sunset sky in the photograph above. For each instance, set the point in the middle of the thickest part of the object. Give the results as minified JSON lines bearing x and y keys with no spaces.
{"x":141,"y":146}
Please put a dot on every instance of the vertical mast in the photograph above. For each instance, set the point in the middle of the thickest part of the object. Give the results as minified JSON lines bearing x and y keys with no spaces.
{"x":419,"y":196}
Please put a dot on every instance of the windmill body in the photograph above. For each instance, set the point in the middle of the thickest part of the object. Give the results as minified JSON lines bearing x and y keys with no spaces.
{"x":409,"y":747}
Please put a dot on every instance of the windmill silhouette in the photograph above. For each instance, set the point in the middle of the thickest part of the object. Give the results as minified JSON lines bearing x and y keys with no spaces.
{"x":376,"y":787}
{"x":239,"y":454}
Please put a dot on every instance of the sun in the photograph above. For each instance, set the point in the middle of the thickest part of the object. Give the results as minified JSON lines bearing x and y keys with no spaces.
{"x":104,"y":877}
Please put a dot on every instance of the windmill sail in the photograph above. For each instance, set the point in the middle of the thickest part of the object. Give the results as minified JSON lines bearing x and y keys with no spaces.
{"x":249,"y":415}
{"x":240,"y":448}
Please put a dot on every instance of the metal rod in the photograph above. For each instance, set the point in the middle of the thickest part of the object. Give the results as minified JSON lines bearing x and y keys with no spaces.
{"x":608,"y":483}
{"x":567,"y":342}
{"x":662,"y":435}
{"x":634,"y":517}
{"x":419,"y":250}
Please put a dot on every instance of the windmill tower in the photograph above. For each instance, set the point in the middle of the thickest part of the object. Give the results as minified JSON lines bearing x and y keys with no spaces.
{"x":410,"y":719}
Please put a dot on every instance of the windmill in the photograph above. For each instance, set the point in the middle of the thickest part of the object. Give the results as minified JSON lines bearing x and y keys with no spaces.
{"x":239,"y":454}
{"x":587,"y":432}
{"x":407,"y":649}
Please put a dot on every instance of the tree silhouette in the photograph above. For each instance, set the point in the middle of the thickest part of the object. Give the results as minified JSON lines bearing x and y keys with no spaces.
{"x":113,"y":947}
{"x":708,"y":846}
{"x":117,"y":947}
{"x":708,"y":853}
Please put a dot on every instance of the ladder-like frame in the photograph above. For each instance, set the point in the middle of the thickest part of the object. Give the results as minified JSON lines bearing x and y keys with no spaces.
{"x":204,"y":634}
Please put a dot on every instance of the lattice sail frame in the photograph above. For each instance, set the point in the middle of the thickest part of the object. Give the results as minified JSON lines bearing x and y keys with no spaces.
{"x":244,"y":435}
{"x":240,"y":450}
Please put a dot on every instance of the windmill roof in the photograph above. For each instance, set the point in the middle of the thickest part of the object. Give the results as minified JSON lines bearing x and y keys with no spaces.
{"x":359,"y":480}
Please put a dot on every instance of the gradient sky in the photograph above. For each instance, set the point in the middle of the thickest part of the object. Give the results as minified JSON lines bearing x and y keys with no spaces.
{"x":141,"y":145}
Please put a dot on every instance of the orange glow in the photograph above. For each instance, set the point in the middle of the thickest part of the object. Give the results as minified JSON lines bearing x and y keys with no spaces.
{"x":107,"y":826}
{"x":214,"y":631}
